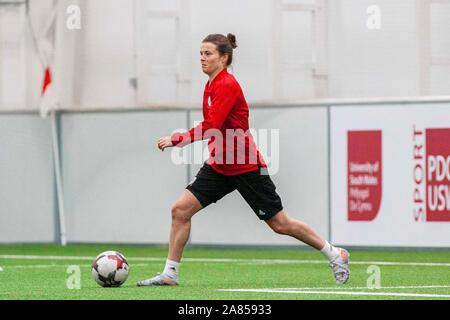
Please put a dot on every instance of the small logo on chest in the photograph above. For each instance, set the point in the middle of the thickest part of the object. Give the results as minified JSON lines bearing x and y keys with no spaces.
{"x":209,"y":102}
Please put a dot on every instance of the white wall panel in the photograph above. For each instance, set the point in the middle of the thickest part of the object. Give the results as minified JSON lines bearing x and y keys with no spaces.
{"x":118,"y":186}
{"x":440,"y":49}
{"x":27,"y":194}
{"x":105,"y":56}
{"x":12,"y":57}
{"x":251,"y":22}
{"x":373,"y":62}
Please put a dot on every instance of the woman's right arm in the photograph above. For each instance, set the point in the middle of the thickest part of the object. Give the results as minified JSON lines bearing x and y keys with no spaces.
{"x":223,"y":101}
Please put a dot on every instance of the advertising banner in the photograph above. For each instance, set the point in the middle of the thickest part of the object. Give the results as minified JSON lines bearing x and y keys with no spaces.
{"x":390,"y":175}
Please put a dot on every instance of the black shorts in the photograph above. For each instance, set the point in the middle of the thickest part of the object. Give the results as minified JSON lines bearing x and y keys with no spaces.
{"x":256,"y":188}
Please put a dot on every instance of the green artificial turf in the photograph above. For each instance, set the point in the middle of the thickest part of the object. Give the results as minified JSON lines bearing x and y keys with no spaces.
{"x":41,"y":272}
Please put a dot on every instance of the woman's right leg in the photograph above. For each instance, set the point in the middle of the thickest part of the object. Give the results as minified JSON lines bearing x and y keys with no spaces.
{"x":182,"y":212}
{"x":208,"y":187}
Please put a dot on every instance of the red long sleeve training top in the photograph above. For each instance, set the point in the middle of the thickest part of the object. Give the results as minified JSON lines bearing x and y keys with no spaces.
{"x":225,"y":112}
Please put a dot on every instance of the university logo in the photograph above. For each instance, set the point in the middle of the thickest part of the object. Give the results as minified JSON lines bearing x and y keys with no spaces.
{"x":437,"y":175}
{"x":364,"y":174}
{"x":431,"y":174}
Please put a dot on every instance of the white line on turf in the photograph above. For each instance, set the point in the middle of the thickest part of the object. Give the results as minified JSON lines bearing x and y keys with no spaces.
{"x":37,"y":257}
{"x":34,"y":266}
{"x":44,"y":266}
{"x":353,"y":288}
{"x":392,"y":294}
{"x":221,"y":260}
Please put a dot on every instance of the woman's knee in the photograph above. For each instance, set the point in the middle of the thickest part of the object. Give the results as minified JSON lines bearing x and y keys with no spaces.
{"x":185,"y":208}
{"x":180,"y":212}
{"x":280,"y":224}
{"x":281,"y":228}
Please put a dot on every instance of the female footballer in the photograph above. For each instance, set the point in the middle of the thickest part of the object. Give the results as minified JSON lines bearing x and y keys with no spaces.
{"x":231,"y":166}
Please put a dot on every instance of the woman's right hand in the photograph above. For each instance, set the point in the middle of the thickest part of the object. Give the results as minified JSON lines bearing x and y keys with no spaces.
{"x":165,"y":142}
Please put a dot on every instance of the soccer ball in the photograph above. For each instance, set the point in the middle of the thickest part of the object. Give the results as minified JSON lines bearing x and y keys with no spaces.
{"x":110,"y":269}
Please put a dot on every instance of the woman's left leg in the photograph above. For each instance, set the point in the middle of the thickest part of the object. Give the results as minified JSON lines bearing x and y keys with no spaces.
{"x":281,"y":223}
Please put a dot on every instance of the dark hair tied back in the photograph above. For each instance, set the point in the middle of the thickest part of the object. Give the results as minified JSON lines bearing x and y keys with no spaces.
{"x":224,"y":45}
{"x":232,"y":38}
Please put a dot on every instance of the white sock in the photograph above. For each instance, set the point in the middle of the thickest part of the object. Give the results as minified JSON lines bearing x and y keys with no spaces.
{"x":329,"y":251}
{"x":171,"y":268}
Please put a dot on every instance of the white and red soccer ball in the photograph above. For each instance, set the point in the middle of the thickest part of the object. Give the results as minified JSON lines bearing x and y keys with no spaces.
{"x":110,"y":269}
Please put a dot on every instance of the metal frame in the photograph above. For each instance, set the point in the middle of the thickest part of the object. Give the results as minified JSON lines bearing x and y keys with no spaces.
{"x":437,"y":60}
{"x":426,"y":58}
{"x":423,"y":17}
{"x":58,"y":178}
{"x":329,"y":173}
{"x":253,"y":104}
{"x":318,"y":64}
{"x":22,"y":7}
{"x":181,"y":70}
{"x":14,"y":3}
